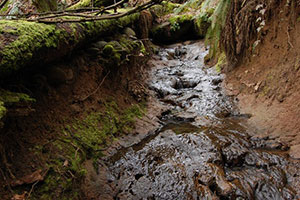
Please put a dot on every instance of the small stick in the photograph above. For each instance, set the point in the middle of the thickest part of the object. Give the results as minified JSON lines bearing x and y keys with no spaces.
{"x":113,"y":16}
{"x":85,"y":98}
{"x":31,"y":190}
{"x":289,"y":38}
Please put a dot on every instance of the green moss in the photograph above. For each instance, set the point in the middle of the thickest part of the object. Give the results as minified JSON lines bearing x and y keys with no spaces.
{"x":29,"y":38}
{"x":201,"y":24}
{"x":221,"y":62}
{"x":81,"y":4}
{"x":165,"y":8}
{"x":5,"y":7}
{"x":180,"y":18}
{"x":143,"y":49}
{"x":9,"y":98}
{"x":81,"y":140}
{"x":128,"y":44}
{"x":108,"y":49}
{"x":2,"y":111}
{"x":188,"y":5}
{"x":116,"y":52}
{"x":218,"y":19}
{"x":177,"y":20}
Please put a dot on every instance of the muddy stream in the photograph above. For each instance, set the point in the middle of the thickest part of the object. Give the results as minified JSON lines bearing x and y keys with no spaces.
{"x":203,"y":150}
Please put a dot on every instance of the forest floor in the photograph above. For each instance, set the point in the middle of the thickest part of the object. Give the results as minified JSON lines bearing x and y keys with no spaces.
{"x":267,"y":84}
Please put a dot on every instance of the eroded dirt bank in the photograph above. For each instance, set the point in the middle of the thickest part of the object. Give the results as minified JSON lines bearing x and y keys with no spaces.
{"x":203,"y":150}
{"x":267,"y":81}
{"x":82,"y":104}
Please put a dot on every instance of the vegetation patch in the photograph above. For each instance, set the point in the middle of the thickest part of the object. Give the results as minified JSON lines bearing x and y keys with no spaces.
{"x":165,"y":8}
{"x":12,"y":99}
{"x":81,"y":140}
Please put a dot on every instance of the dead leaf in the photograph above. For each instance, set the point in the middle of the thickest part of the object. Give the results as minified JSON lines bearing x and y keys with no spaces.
{"x":66,"y":163}
{"x":28,"y":179}
{"x":257,"y":86}
{"x":19,"y":196}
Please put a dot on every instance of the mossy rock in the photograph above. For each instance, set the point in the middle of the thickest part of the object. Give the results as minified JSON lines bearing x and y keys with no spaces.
{"x":108,"y":50}
{"x":99,"y":44}
{"x":165,"y":8}
{"x":129,"y":32}
{"x":177,"y":28}
{"x":117,"y":46}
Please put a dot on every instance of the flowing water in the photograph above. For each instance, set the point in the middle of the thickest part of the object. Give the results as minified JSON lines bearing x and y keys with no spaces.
{"x":203,"y":151}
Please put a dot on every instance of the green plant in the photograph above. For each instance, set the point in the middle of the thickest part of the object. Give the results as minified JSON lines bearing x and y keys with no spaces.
{"x":218,"y":20}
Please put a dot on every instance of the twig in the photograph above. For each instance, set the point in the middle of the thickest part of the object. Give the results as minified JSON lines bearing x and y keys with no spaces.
{"x":76,"y":152}
{"x":111,"y":6}
{"x":289,"y":38}
{"x":32,"y":187}
{"x":31,"y":190}
{"x":94,"y":92}
{"x":73,"y":3}
{"x":112,"y":16}
{"x":63,"y":14}
{"x":5,"y":179}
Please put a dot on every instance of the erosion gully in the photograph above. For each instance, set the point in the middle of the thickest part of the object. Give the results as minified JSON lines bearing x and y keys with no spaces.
{"x":203,"y":149}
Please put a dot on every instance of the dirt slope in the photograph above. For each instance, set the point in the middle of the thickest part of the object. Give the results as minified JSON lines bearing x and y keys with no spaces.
{"x":267,"y":83}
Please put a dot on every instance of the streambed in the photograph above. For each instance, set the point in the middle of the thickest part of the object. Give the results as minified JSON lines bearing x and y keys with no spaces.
{"x":203,"y":149}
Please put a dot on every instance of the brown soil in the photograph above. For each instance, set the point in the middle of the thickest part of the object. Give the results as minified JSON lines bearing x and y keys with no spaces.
{"x":57,"y":105}
{"x":267,"y":85}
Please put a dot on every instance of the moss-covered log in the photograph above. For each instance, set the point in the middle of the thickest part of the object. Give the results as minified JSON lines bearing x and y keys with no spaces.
{"x":25,"y":43}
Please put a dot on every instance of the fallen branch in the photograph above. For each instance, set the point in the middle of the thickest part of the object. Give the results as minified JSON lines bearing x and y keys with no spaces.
{"x":66,"y":12}
{"x":31,"y":190}
{"x":95,"y":18}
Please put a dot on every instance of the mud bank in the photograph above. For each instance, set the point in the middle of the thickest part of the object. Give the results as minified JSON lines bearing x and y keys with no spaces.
{"x":267,"y":81}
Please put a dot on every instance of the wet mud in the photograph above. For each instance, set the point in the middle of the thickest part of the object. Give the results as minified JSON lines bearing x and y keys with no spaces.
{"x":203,"y":150}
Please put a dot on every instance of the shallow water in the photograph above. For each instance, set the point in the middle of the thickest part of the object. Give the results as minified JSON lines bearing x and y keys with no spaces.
{"x":203,"y":151}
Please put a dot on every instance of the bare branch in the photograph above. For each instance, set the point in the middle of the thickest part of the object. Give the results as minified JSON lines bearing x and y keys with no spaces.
{"x":87,"y":17}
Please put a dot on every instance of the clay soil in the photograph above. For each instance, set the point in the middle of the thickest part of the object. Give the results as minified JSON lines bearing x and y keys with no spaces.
{"x":267,"y":84}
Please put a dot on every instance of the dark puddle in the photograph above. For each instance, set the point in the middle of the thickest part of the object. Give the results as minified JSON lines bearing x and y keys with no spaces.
{"x":203,"y":151}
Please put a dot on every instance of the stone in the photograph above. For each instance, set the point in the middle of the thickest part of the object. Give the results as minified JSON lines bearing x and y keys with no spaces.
{"x":129,"y":32}
{"x":216,"y":81}
{"x":295,"y":151}
{"x":93,"y":51}
{"x":99,"y":44}
{"x":69,"y":74}
{"x":56,"y":76}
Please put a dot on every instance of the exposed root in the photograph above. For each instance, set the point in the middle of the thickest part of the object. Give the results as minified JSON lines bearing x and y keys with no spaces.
{"x":288,"y":37}
{"x":95,"y":91}
{"x":245,"y":20}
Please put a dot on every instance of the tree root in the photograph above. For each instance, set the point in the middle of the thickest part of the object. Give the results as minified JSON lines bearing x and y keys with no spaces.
{"x":94,"y":92}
